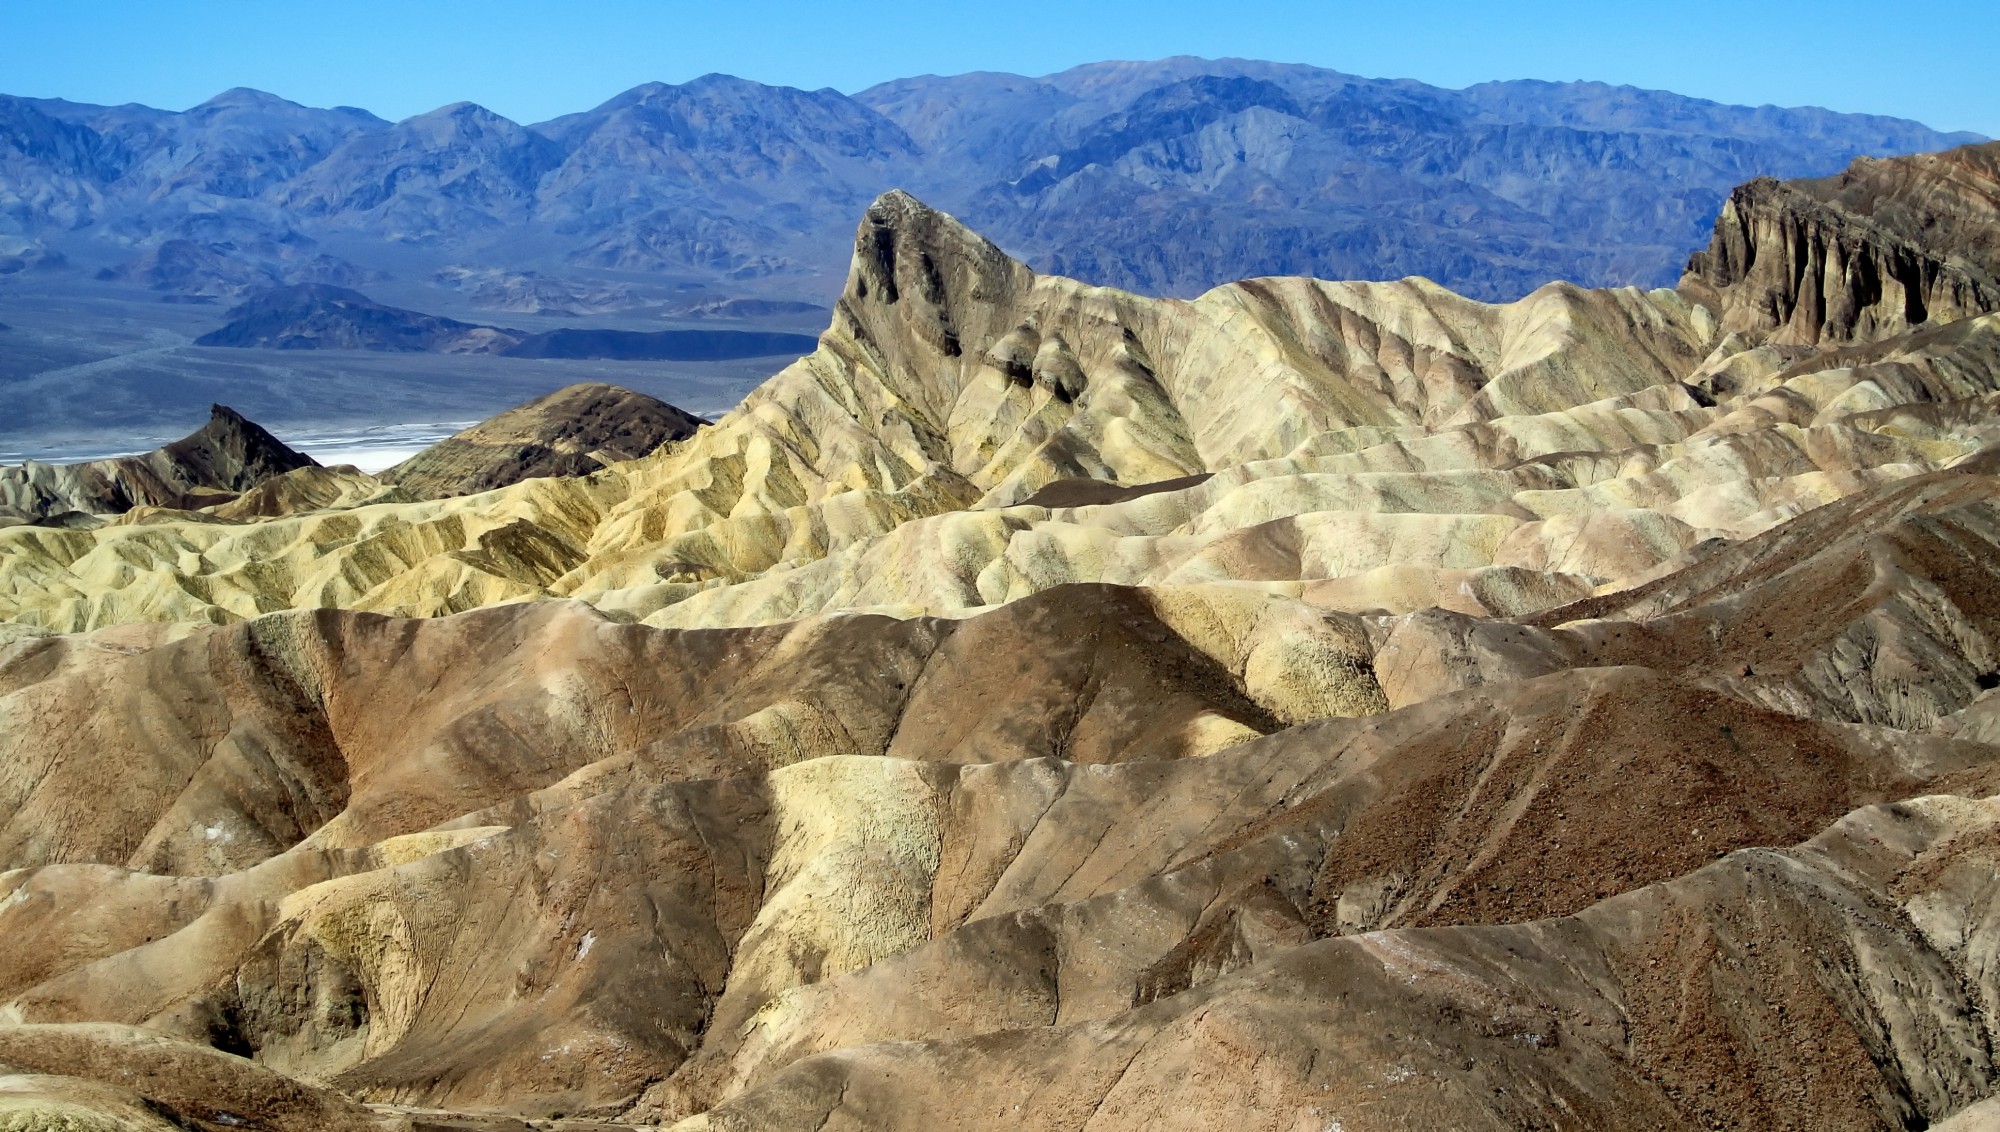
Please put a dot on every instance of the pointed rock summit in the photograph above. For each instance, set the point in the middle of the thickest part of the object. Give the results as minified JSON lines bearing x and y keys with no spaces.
{"x":228,"y":455}
{"x":919,"y":275}
{"x":232,"y":452}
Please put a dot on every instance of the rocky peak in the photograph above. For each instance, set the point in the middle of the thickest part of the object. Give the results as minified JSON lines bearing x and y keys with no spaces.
{"x":468,"y":118}
{"x":237,"y":97}
{"x":232,"y":452}
{"x":723,"y":114}
{"x":462,"y":153}
{"x":228,"y":455}
{"x":916,"y":269}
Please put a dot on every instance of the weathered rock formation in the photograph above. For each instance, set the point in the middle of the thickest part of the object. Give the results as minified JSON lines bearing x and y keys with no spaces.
{"x":1881,"y":249}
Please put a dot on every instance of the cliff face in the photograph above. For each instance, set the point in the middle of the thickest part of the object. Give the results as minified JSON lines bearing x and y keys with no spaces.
{"x":1881,"y":249}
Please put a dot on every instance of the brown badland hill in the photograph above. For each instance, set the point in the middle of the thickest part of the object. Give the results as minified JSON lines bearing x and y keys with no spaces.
{"x":574,"y":431}
{"x":1309,"y":706}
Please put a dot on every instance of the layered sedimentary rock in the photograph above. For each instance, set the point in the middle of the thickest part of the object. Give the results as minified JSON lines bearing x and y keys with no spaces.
{"x":1382,"y":446}
{"x":226,"y":456}
{"x":954,"y":379}
{"x":1887,"y":246}
{"x":1311,"y":705}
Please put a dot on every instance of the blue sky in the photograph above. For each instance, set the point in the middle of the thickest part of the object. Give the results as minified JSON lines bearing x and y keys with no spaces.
{"x":532,"y":59}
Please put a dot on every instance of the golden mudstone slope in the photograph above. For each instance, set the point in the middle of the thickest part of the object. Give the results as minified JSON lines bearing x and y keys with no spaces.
{"x":532,"y":860}
{"x":1374,"y":446}
{"x":1310,"y":706}
{"x":951,"y":378}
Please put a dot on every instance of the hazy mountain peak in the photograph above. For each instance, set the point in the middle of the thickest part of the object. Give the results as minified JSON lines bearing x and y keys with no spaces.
{"x":455,"y":168}
{"x":242,"y":96}
{"x":624,"y":98}
{"x":457,"y":109}
{"x":650,"y":93}
{"x":717,"y":80}
{"x":462,"y":115}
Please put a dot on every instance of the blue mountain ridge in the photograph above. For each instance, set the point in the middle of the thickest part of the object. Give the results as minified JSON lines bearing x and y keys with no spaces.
{"x":1166,"y":177}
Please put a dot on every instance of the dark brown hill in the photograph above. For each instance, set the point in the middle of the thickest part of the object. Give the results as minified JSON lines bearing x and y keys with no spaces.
{"x":571,"y":432}
{"x":318,"y":316}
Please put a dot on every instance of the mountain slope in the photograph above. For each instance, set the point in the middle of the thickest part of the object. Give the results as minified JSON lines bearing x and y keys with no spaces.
{"x":428,"y":176}
{"x":1174,"y":176}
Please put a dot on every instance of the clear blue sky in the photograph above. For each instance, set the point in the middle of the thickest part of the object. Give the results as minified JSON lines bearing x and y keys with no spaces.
{"x":534,"y":59}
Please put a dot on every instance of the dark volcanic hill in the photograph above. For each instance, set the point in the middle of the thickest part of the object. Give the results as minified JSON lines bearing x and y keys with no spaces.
{"x":315,"y":316}
{"x":1165,"y":177}
{"x":321,"y":317}
{"x":571,"y":432}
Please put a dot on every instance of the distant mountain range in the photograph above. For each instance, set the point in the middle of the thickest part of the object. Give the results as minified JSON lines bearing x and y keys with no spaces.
{"x":1164,"y":177}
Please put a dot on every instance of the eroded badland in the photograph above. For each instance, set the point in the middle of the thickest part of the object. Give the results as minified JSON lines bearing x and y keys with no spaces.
{"x":1312,"y":705}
